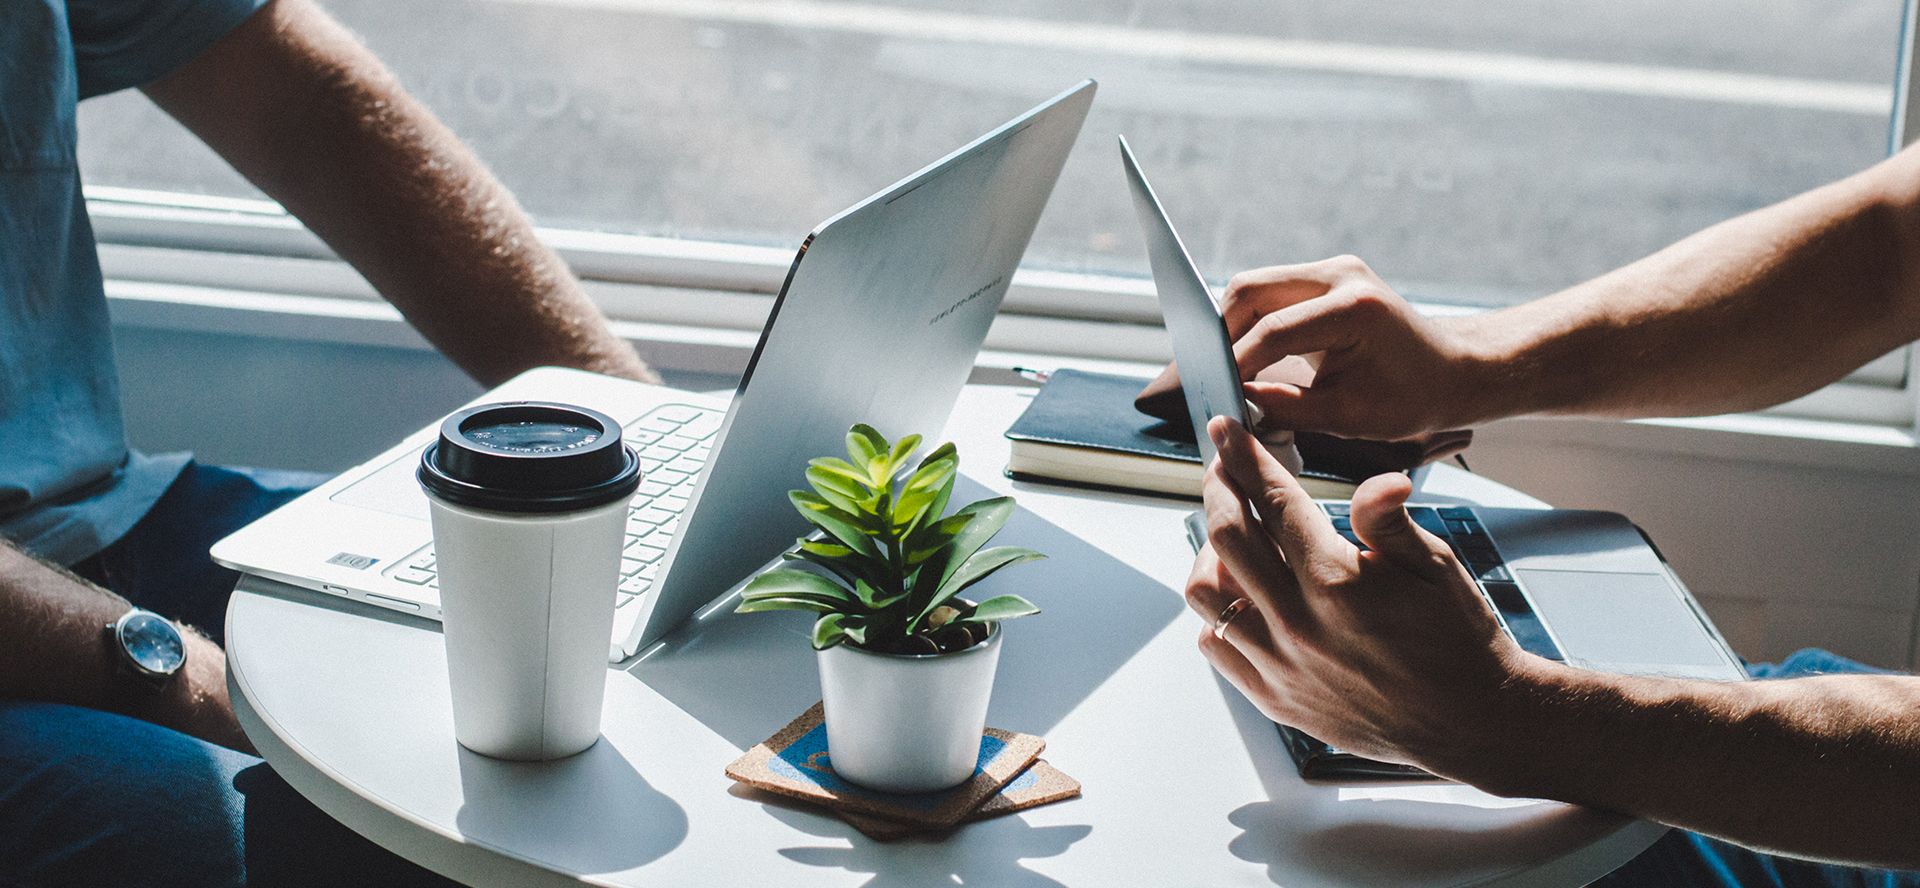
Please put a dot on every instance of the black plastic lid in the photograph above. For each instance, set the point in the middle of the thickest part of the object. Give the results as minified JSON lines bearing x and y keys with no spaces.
{"x":529,"y":456}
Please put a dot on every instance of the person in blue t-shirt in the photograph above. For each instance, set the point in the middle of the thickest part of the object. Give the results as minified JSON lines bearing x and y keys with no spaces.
{"x":107,"y":777}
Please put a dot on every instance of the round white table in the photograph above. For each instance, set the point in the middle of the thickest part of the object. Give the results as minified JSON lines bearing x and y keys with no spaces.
{"x":1185,"y":782}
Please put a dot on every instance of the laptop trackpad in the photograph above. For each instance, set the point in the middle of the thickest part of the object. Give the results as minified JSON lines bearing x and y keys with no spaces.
{"x":1624,"y":622}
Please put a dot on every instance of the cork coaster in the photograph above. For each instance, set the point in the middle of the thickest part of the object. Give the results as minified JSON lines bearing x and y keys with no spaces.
{"x":794,"y":762}
{"x":1042,"y":784}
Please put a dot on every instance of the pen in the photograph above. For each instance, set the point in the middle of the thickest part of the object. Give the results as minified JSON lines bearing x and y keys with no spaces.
{"x":1032,"y":375}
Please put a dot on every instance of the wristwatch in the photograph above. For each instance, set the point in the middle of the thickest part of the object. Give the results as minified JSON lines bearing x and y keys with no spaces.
{"x":147,"y":646}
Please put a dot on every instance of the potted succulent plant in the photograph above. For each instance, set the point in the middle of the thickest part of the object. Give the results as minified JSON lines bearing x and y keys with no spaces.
{"x":906,"y":663}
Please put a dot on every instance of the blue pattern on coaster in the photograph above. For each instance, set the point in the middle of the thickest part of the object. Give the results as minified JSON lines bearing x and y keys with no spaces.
{"x":806,"y":760}
{"x":1024,"y":782}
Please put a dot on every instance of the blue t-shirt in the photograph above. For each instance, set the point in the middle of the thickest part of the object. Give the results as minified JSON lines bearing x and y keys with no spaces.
{"x":69,"y":486}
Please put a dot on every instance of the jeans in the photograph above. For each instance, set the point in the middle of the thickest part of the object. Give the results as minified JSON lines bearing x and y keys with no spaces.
{"x":1684,"y":858}
{"x":93,"y":798}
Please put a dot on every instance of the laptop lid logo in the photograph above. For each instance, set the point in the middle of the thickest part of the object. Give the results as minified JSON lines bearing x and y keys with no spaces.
{"x":949,"y":310}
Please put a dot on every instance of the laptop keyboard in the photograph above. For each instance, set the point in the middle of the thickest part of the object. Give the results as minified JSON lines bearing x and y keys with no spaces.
{"x":1462,"y":530}
{"x":673,"y":441}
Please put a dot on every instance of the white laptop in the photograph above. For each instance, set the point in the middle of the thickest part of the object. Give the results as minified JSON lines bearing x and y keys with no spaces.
{"x":880,"y":320}
{"x":1583,"y":587}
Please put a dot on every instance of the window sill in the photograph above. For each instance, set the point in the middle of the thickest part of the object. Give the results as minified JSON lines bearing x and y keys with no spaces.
{"x":1014,"y":342}
{"x":1852,"y":447}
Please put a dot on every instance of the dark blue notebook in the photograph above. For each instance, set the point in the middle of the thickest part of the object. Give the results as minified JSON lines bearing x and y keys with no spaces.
{"x":1082,"y":430}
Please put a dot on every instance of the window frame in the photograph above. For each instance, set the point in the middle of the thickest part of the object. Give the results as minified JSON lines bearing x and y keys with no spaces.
{"x":669,"y":292}
{"x":726,"y":289}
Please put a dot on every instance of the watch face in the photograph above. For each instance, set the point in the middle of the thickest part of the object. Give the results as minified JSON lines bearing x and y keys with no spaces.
{"x":153,"y":643}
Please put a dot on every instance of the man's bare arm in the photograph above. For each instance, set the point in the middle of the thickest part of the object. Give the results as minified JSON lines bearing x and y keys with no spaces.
{"x":1820,"y":767}
{"x":306,"y":113}
{"x":1747,"y":314}
{"x":57,"y":651}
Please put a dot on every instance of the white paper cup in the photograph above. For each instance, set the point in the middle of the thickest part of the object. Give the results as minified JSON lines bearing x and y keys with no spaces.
{"x":529,"y":504}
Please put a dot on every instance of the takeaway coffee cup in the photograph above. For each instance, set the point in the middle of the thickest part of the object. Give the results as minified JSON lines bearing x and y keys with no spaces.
{"x":529,"y":507}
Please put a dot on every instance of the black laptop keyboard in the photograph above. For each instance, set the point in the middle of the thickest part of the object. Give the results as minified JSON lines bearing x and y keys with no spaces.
{"x":1463,"y":531}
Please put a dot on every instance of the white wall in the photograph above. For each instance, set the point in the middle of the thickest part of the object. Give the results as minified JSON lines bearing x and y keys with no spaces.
{"x":286,"y":403}
{"x":1786,"y":548}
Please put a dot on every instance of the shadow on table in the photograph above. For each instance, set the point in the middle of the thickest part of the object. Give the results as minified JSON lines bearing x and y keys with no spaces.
{"x":554,"y":812}
{"x":991,"y":856}
{"x":744,"y":676}
{"x":1405,"y":832}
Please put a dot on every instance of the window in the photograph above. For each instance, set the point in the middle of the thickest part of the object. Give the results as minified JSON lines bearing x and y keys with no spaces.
{"x":1476,"y":154}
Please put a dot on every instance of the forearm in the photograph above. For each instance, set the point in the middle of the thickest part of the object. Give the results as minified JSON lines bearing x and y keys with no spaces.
{"x":1746,"y":314}
{"x":55,"y":650}
{"x":1822,"y":768}
{"x":310,"y":116}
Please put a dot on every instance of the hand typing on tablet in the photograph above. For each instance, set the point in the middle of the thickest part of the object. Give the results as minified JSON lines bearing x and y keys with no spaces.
{"x":1383,"y":371}
{"x":1391,"y":653}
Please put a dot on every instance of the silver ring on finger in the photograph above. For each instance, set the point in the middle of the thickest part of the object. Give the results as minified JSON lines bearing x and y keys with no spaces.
{"x":1233,"y":609}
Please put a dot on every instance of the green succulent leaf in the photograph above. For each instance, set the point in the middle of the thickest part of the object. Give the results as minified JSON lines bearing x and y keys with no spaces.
{"x":868,"y":450}
{"x":842,"y":468}
{"x":971,"y":527}
{"x":840,"y":525}
{"x":790,"y":583}
{"x":889,"y":555}
{"x":924,"y":495}
{"x":762,"y":605}
{"x":837,"y":491}
{"x":976,"y":568}
{"x":827,"y":631}
{"x":810,"y":503}
{"x":843,"y":562}
{"x":931,"y":538}
{"x":920,"y":533}
{"x":855,"y":629}
{"x":902,"y":449}
{"x":822,"y":548}
{"x":912,"y":510}
{"x":944,"y":451}
{"x":1002,"y":607}
{"x":932,"y":474}
{"x":873,"y":598}
{"x":864,"y":443}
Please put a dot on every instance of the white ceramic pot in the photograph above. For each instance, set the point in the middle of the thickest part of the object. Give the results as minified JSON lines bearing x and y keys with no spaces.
{"x":907,"y":722}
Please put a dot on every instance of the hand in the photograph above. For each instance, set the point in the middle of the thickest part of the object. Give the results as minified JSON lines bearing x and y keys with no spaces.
{"x":195,"y":701}
{"x":1389,"y":653}
{"x":1383,"y":371}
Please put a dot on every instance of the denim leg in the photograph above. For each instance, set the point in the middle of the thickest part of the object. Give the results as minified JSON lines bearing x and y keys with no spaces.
{"x":1682,"y":858}
{"x":92,"y":798}
{"x":1813,"y":661}
{"x":162,"y":564}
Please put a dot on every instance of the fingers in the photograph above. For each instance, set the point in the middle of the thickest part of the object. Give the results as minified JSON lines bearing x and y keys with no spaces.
{"x":1210,"y":587}
{"x":1260,"y":291}
{"x":1287,"y":406}
{"x":1286,"y":512}
{"x":1253,"y":294}
{"x":1234,"y":665}
{"x":1251,"y":562}
{"x":1316,"y":325}
{"x":1279,"y":442}
{"x":1381,"y":521}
